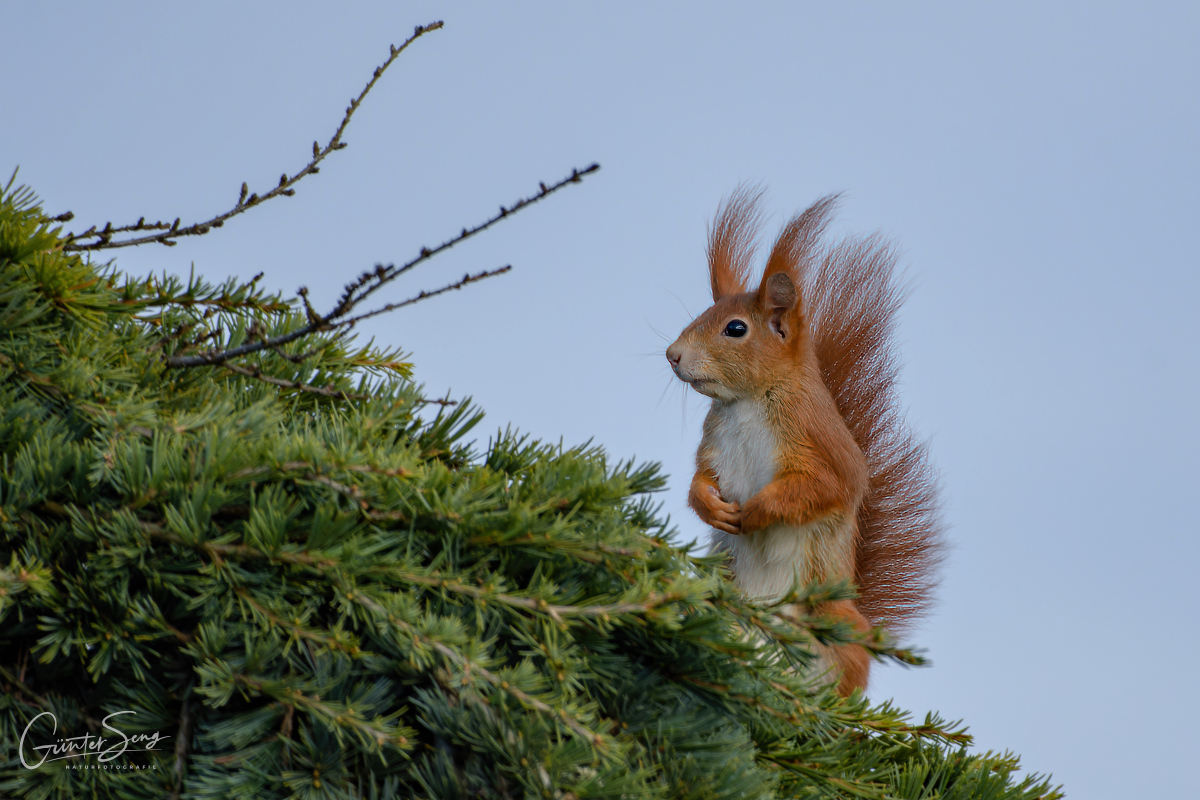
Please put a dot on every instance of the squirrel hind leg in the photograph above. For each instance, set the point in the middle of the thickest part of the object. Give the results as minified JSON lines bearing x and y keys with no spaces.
{"x":850,"y":664}
{"x":855,"y":665}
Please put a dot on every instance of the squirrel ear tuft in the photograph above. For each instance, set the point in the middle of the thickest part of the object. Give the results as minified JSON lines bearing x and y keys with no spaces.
{"x":798,"y":242}
{"x":731,"y":241}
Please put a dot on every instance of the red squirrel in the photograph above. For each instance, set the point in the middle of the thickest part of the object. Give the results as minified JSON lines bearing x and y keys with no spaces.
{"x":806,"y":467}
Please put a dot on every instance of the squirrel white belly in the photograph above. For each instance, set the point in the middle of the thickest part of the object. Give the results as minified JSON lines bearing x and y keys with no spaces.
{"x":766,"y":562}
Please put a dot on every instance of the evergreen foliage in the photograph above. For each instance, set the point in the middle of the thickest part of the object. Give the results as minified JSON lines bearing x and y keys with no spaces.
{"x":330,"y":595}
{"x":303,"y":573}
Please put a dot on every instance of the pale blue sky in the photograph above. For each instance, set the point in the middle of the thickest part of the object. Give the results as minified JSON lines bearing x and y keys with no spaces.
{"x":1037,"y":165}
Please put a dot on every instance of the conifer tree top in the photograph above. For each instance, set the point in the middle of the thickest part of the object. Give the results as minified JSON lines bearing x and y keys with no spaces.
{"x":306,"y":581}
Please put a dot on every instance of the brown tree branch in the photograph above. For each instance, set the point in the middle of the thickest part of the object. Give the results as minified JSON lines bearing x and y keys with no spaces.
{"x":425,"y":295}
{"x":183,"y":742}
{"x":168,"y":232}
{"x":369,"y":282}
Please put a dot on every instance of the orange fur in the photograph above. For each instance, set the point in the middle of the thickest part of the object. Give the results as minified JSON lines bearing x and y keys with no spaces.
{"x":853,"y":663}
{"x":805,"y":452}
{"x":731,"y":242}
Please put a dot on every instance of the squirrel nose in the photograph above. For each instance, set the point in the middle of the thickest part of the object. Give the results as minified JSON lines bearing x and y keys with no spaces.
{"x":674,"y":358}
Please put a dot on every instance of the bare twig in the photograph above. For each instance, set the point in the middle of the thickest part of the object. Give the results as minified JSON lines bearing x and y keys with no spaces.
{"x":437,"y":401}
{"x":342,"y":316}
{"x":362,"y":288}
{"x":168,"y":232}
{"x":425,"y":295}
{"x":369,"y":282}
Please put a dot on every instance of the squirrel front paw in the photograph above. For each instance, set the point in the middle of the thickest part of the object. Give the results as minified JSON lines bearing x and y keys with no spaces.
{"x":713,"y":510}
{"x":754,"y":516}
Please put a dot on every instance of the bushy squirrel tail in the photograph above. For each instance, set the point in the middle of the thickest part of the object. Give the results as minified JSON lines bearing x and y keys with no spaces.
{"x":853,"y":295}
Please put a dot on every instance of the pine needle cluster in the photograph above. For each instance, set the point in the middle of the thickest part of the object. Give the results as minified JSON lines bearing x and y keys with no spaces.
{"x":335,"y":594}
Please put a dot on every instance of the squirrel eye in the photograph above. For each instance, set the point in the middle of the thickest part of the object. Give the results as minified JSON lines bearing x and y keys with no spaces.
{"x":736,"y":328}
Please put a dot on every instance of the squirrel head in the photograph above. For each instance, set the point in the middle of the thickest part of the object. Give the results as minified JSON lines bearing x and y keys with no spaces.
{"x":744,"y":343}
{"x":750,"y":341}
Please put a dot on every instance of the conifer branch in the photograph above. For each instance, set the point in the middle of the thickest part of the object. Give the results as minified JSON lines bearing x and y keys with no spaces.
{"x":574,"y":547}
{"x":538,"y":605}
{"x":300,"y":632}
{"x":18,"y":684}
{"x":842,"y":787}
{"x":589,"y":736}
{"x":302,"y":558}
{"x":169,"y":232}
{"x":341,"y":715}
{"x":294,"y":466}
{"x":468,"y":666}
{"x":325,"y":391}
{"x":52,"y":389}
{"x":353,"y":492}
{"x":881,"y":723}
{"x":229,"y":297}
